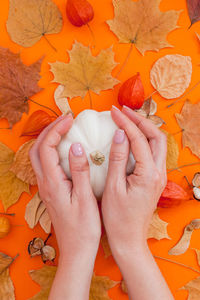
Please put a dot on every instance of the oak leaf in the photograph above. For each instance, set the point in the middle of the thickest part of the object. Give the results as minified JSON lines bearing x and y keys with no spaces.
{"x":11,"y":187}
{"x":193,"y":7}
{"x":28,"y":21}
{"x":172,"y":151}
{"x":158,"y":228}
{"x":171,"y":75}
{"x":143,"y":24}
{"x":22,"y":166}
{"x":85,"y":72}
{"x":189,"y":121}
{"x":6,"y":286}
{"x":18,"y":83}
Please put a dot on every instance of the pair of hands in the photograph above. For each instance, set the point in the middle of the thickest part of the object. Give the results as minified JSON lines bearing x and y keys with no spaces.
{"x":128,"y":201}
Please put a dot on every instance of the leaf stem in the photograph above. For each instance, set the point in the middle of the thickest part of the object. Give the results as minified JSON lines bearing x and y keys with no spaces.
{"x":5,"y":214}
{"x":184,"y":95}
{"x":177,"y":263}
{"x":151,"y":95}
{"x":125,"y":61}
{"x":43,"y":106}
{"x":5,"y":128}
{"x":178,"y":132}
{"x":13,"y":259}
{"x":90,"y":99}
{"x":44,"y":35}
{"x":92,"y":34}
{"x":183,"y":166}
{"x":189,"y":184}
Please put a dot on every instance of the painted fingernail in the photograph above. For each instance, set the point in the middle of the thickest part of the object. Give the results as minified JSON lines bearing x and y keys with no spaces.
{"x":119,"y":136}
{"x":126,"y":107}
{"x":77,"y":149}
{"x":115,"y":107}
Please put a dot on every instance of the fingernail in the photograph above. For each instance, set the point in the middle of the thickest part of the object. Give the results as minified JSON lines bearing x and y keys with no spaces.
{"x":115,"y":107}
{"x":126,"y":107}
{"x":119,"y":136}
{"x":77,"y":149}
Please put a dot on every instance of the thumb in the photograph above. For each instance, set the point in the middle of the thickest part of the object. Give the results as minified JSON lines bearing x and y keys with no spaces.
{"x":79,"y":167}
{"x":119,"y":154}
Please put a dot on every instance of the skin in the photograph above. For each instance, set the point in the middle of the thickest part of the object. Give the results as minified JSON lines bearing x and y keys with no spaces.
{"x":127,"y":206}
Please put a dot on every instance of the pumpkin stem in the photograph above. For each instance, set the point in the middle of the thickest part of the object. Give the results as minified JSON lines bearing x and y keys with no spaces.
{"x":97,"y":158}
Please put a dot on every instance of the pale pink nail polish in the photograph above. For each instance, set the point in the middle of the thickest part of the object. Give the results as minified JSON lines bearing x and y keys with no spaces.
{"x":119,"y":136}
{"x":115,"y":107}
{"x":77,"y":149}
{"x":126,"y":107}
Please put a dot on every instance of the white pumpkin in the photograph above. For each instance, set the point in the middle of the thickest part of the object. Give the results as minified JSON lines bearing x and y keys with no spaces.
{"x":95,"y":131}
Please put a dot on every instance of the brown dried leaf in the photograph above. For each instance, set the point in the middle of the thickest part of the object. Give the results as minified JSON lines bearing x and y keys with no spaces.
{"x":45,"y":222}
{"x":106,"y":246}
{"x":85,"y":72}
{"x":158,"y":228}
{"x":6,"y":286}
{"x":198,"y":255}
{"x":172,"y":151}
{"x":142,"y":23}
{"x":158,"y":121}
{"x":149,"y":108}
{"x":189,"y":121}
{"x":21,"y":166}
{"x":28,"y":21}
{"x":39,"y":212}
{"x":100,"y":286}
{"x":31,"y":210}
{"x":18,"y":83}
{"x":61,"y":102}
{"x":171,"y":75}
{"x":124,"y":287}
{"x":6,"y":158}
{"x":196,"y":179}
{"x":193,"y":287}
{"x":44,"y":277}
{"x":183,"y":244}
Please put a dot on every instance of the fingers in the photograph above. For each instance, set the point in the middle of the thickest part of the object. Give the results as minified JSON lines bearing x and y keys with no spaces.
{"x":79,"y":167}
{"x":47,"y":149}
{"x":157,"y":140}
{"x":119,"y":154}
{"x":139,"y":144}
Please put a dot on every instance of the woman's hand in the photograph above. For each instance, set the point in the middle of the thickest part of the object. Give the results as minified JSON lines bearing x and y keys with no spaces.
{"x":72,"y":208}
{"x":129,"y":201}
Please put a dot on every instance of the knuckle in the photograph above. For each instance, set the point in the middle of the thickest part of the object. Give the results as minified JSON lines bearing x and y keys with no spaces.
{"x":80,"y":166}
{"x":137,"y":137}
{"x":117,"y":156}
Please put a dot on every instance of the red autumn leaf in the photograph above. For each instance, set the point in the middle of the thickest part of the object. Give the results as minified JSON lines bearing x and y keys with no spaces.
{"x":131,"y":92}
{"x":173,"y":195}
{"x":36,"y":123}
{"x":193,"y":11}
{"x":79,"y":12}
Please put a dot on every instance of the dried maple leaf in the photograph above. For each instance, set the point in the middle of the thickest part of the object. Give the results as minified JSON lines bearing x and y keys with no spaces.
{"x":100,"y":286}
{"x":44,"y":277}
{"x":171,"y":75}
{"x":22,"y":166}
{"x":143,"y":24}
{"x":172,"y":151}
{"x":193,"y":7}
{"x":189,"y":121}
{"x":158,"y":228}
{"x":11,"y":187}
{"x":18,"y":83}
{"x":6,"y":286}
{"x":193,"y":287}
{"x":183,"y":244}
{"x":28,"y":21}
{"x":85,"y":72}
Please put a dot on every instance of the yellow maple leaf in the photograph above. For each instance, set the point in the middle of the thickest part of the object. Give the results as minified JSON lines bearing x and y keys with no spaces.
{"x":158,"y":228}
{"x":143,"y":24}
{"x":21,"y":165}
{"x":28,"y":21}
{"x":85,"y":72}
{"x":11,"y":187}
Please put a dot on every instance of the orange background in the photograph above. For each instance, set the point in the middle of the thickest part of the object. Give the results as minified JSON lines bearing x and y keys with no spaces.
{"x":185,"y":43}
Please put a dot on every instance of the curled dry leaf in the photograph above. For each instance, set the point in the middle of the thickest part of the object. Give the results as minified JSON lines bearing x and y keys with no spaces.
{"x":196,"y":180}
{"x":106,"y":246}
{"x":172,"y":151}
{"x":11,"y":187}
{"x":36,"y":123}
{"x":39,"y":212}
{"x":45,"y":221}
{"x":31,"y":211}
{"x":172,"y":195}
{"x":158,"y":228}
{"x":35,"y":246}
{"x":193,"y":7}
{"x":124,"y":287}
{"x":61,"y":101}
{"x":22,"y":166}
{"x":18,"y":83}
{"x":196,"y":193}
{"x":189,"y":121}
{"x":6,"y":286}
{"x":193,"y":287}
{"x":142,"y":23}
{"x":29,"y":21}
{"x":182,"y":246}
{"x":48,"y":253}
{"x":171,"y":75}
{"x":156,"y":120}
{"x":85,"y":72}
